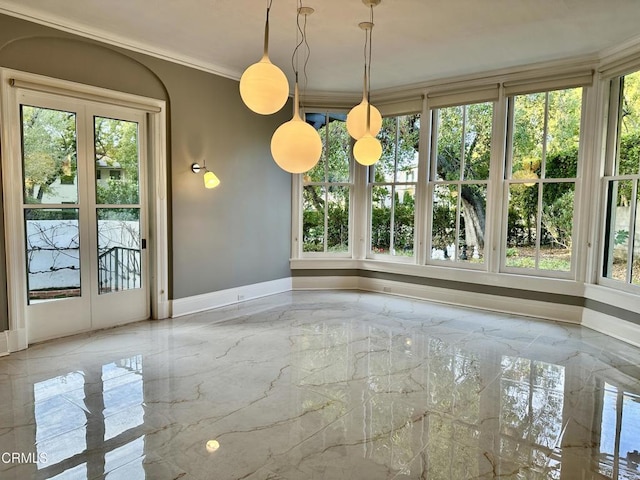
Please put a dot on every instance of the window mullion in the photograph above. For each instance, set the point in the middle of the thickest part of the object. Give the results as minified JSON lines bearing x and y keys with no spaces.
{"x":541,"y":183}
{"x":632,"y":231}
{"x":326,"y":182}
{"x":539,"y":223}
{"x":463,"y":142}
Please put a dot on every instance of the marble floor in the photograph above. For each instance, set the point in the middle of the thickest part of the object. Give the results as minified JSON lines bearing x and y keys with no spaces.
{"x":324,"y":385}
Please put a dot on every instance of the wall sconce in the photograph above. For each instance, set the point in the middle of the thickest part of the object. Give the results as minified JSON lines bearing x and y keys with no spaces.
{"x":210,"y":178}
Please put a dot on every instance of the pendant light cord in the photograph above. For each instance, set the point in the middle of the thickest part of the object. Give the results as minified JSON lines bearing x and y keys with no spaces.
{"x":369,"y":38}
{"x":266,"y":28}
{"x":302,"y":30}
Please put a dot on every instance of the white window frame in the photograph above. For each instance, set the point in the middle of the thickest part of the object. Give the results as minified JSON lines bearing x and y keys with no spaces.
{"x":298,"y":184}
{"x":371,"y":184}
{"x":14,"y":81}
{"x":540,"y":182}
{"x":433,"y":183}
{"x":612,"y":142}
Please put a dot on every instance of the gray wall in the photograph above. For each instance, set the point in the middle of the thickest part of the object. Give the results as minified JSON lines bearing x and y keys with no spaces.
{"x":234,"y":235}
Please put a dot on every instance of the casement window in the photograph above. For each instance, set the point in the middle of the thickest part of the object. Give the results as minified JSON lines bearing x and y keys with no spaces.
{"x":393,"y":182}
{"x":327,"y":190}
{"x":543,"y":140}
{"x":621,"y":253}
{"x":460,"y":159}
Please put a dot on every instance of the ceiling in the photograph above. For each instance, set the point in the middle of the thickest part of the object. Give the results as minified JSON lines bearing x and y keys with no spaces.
{"x":414,"y":41}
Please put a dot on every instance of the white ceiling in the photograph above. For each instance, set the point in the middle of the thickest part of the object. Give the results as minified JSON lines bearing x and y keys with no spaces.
{"x":414,"y":41}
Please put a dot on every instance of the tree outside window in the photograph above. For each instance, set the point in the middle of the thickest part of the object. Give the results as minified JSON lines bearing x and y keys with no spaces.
{"x":542,"y":165}
{"x":326,"y":189}
{"x":461,"y":156}
{"x":394,"y":187}
{"x":622,"y":237}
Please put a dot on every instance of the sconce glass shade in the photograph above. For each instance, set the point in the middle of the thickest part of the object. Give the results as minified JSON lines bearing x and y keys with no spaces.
{"x":357,"y":120}
{"x":367,"y":150}
{"x":211,"y":180}
{"x":264,"y":87}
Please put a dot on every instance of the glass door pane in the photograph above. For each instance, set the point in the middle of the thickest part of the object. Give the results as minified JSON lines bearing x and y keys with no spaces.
{"x":117,"y":188}
{"x":50,"y":202}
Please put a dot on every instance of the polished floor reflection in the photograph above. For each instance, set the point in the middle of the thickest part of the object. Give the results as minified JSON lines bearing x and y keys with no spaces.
{"x":325,"y":385}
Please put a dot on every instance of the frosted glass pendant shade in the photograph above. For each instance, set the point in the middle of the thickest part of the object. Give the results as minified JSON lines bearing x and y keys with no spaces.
{"x":357,"y":120}
{"x":296,"y":146}
{"x":211,"y":180}
{"x":367,"y":150}
{"x":264,"y":87}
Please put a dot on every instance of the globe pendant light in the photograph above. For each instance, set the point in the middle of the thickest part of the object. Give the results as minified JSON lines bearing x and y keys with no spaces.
{"x":368,"y":149}
{"x":296,"y":146}
{"x":357,"y":116}
{"x":263,"y":86}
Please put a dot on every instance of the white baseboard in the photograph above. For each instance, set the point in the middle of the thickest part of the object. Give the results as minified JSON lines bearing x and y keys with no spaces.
{"x":495,"y":303}
{"x":16,"y":339}
{"x":207,"y":301}
{"x":612,"y":326}
{"x":4,"y":343}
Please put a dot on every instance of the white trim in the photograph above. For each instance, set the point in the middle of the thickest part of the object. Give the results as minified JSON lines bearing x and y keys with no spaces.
{"x":4,"y":343}
{"x":494,"y":303}
{"x":613,"y":296}
{"x":11,"y":180}
{"x":620,"y":59}
{"x":96,"y":34}
{"x":612,"y":326}
{"x":82,"y":92}
{"x":158,"y":228}
{"x":606,"y":324}
{"x":158,"y":216}
{"x":16,"y":339}
{"x":208,"y":301}
{"x":30,"y":81}
{"x":451,"y":272}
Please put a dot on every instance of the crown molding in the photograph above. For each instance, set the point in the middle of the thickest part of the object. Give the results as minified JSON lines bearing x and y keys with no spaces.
{"x":96,"y":34}
{"x":600,"y":60}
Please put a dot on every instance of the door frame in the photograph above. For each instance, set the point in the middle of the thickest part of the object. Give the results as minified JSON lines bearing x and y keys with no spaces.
{"x":11,"y":83}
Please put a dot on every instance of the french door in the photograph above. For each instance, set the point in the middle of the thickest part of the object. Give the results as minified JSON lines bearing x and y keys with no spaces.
{"x":84,"y":210}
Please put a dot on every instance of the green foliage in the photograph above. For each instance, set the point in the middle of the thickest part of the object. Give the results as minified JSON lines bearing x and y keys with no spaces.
{"x":560,"y":145}
{"x":116,"y":192}
{"x":621,"y":237}
{"x":49,"y":149}
{"x":629,"y":153}
{"x":323,"y":196}
{"x":557,"y":216}
{"x":444,"y":221}
{"x":400,"y":138}
{"x":117,"y":140}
